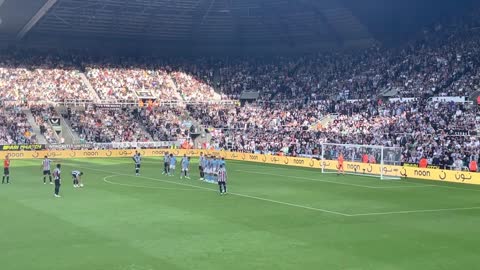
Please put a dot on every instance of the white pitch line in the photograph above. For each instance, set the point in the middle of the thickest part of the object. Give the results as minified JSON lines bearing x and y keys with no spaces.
{"x":400,"y":187}
{"x":292,"y":204}
{"x":403,"y":181}
{"x":415,"y":211}
{"x":236,"y":194}
{"x":138,"y":186}
{"x":333,"y":182}
{"x":305,"y":178}
{"x":301,"y":206}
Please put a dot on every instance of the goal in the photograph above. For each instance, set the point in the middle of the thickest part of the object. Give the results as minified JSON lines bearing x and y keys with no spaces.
{"x":365,"y":160}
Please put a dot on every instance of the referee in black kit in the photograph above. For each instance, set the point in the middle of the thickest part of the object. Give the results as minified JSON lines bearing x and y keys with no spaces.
{"x":56,"y":175}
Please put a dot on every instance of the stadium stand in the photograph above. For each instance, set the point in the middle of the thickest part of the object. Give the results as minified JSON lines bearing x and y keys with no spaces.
{"x":336,"y":97}
{"x":163,"y":123}
{"x":26,"y":76}
{"x":108,"y":125}
{"x":126,"y":79}
{"x":14,"y":127}
{"x":42,"y":115}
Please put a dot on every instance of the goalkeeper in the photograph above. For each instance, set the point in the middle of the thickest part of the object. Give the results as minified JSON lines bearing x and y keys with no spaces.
{"x":340,"y":164}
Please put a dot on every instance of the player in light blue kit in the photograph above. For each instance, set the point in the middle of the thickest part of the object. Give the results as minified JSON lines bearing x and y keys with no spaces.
{"x":173,"y":163}
{"x":185,"y":166}
{"x":222,"y":162}
{"x":208,"y":170}
{"x":215,"y":168}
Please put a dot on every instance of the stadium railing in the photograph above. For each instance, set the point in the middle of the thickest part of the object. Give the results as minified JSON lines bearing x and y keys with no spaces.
{"x":158,"y":102}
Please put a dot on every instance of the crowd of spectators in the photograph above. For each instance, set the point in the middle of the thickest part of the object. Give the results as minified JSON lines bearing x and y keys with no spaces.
{"x":14,"y":127}
{"x":435,"y":130}
{"x":163,"y":123}
{"x":42,"y":115}
{"x":442,"y":60}
{"x":331,"y":97}
{"x":37,"y":77}
{"x":193,"y":89}
{"x":107,"y":125}
{"x":129,"y":79}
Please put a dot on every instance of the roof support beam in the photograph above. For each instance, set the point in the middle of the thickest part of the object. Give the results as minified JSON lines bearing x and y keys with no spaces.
{"x":237,"y":29}
{"x":34,"y":20}
{"x":321,"y":19}
{"x":199,"y":14}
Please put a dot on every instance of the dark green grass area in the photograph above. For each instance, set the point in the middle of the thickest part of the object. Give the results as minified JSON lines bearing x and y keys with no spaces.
{"x":274,"y":218}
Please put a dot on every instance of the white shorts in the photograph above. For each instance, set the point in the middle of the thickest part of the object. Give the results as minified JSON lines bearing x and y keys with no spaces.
{"x":172,"y":167}
{"x":184,"y":169}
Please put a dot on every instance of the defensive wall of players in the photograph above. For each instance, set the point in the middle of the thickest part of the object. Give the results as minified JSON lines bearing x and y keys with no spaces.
{"x":331,"y":165}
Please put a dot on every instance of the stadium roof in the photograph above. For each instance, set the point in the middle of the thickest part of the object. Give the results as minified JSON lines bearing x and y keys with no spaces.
{"x":187,"y":23}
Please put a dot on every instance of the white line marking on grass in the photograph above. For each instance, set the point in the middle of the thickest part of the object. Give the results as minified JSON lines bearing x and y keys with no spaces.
{"x":415,"y":211}
{"x":235,"y":194}
{"x":292,"y":204}
{"x":333,"y":182}
{"x":138,"y":186}
{"x":304,"y":178}
{"x":458,"y":188}
{"x":400,"y":187}
{"x":403,"y":181}
{"x":298,"y":205}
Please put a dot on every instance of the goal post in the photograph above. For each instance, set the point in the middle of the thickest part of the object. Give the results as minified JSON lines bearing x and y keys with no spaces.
{"x":365,"y":160}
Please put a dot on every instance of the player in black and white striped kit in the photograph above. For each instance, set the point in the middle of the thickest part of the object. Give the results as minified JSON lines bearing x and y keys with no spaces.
{"x":57,"y":177}
{"x":138,"y":160}
{"x":222,"y":180}
{"x":46,"y":170}
{"x":201,"y":166}
{"x":166,"y":164}
{"x":77,"y":178}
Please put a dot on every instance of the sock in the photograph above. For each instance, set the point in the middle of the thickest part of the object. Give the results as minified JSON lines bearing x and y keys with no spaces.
{"x":44,"y":179}
{"x":3,"y":179}
{"x":8,"y":179}
{"x":220,"y":186}
{"x":136,"y":170}
{"x":57,"y":188}
{"x":224,"y":187}
{"x":50,"y":178}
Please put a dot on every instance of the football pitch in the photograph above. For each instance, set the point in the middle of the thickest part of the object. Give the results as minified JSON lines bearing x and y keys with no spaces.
{"x":274,"y":217}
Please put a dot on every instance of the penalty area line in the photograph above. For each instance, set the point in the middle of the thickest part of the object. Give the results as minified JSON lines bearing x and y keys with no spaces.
{"x":297,"y":205}
{"x":415,"y":211}
{"x":404,"y":181}
{"x":147,"y":187}
{"x":306,"y":178}
{"x":338,"y":183}
{"x":231,"y":193}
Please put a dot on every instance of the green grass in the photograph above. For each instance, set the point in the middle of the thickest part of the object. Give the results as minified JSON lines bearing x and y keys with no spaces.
{"x":274,"y":218}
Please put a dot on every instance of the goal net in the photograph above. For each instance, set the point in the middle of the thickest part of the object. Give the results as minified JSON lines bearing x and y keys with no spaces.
{"x":365,"y":160}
